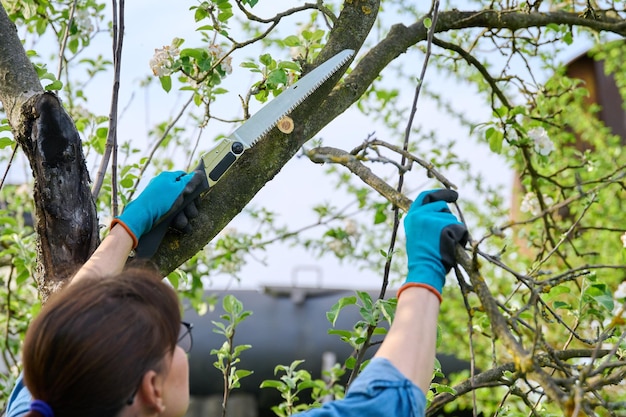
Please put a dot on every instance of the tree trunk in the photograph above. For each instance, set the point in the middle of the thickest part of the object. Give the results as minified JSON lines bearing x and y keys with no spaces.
{"x":65,"y":213}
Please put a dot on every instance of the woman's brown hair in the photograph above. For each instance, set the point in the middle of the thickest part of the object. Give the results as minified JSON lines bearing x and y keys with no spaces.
{"x":87,"y":351}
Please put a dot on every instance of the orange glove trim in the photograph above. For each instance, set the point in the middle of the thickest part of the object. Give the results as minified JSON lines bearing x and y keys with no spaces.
{"x":419,"y":285}
{"x":130,"y":232}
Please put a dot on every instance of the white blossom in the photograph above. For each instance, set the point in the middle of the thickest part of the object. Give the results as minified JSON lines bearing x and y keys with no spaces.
{"x":163,"y":59}
{"x":337,"y":246}
{"x":229,"y":231}
{"x":82,"y":19}
{"x":217,"y":52}
{"x":623,"y":237}
{"x":542,"y":142}
{"x":351,"y":227}
{"x":620,"y":292}
{"x":530,"y":204}
{"x":595,"y":325}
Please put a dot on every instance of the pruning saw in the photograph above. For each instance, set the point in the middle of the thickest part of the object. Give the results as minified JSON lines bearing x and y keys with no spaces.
{"x":217,"y":161}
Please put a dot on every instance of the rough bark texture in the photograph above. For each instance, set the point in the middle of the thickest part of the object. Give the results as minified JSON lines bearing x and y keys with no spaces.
{"x":66,"y":221}
{"x":65,"y":214}
{"x":18,"y":79}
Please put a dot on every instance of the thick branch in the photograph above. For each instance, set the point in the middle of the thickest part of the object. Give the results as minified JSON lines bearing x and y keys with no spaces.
{"x":495,"y":376}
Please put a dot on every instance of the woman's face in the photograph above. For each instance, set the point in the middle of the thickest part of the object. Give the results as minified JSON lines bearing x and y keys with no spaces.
{"x":176,"y":385}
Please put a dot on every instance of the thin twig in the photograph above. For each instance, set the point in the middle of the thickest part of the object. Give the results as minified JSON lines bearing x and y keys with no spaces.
{"x":111,"y":144}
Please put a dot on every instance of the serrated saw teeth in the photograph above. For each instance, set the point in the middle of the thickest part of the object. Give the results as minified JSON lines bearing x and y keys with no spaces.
{"x":269,"y":115}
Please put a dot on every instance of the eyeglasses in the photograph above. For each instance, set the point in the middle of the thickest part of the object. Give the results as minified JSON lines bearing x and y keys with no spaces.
{"x":185,"y":340}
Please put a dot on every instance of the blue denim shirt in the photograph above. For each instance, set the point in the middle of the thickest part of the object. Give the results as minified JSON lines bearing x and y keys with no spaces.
{"x":380,"y":390}
{"x":19,"y":401}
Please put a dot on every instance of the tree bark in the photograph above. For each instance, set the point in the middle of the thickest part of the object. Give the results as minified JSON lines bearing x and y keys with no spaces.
{"x":18,"y":79}
{"x":65,"y":214}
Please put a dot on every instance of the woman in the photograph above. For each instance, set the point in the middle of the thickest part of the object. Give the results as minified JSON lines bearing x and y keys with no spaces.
{"x":111,"y":344}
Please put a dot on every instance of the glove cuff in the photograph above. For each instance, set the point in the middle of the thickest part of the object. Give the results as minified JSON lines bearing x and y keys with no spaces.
{"x":419,"y":285}
{"x":116,"y":221}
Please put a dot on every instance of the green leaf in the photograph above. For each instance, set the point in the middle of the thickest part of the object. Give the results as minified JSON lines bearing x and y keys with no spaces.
{"x":439,"y":388}
{"x":102,"y":132}
{"x":240,"y":348}
{"x":41,"y":26}
{"x":605,"y":301}
{"x":568,"y":38}
{"x":73,"y":45}
{"x":272,"y":384}
{"x":428,"y":22}
{"x":495,"y":139}
{"x":558,"y":290}
{"x":200,"y":14}
{"x":196,"y":53}
{"x":224,"y":15}
{"x":5,"y":142}
{"x":380,"y":216}
{"x":232,"y":305}
{"x":289,"y":65}
{"x":350,"y":362}
{"x":342,"y":333}
{"x":248,"y":64}
{"x":242,"y":373}
{"x":379,"y":331}
{"x":29,"y":9}
{"x":388,"y":308}
{"x":266,"y":59}
{"x":55,"y":85}
{"x":173,"y":279}
{"x":166,"y":83}
{"x":292,"y":41}
{"x":317,"y":35}
{"x":366,"y":299}
{"x":554,"y":27}
{"x":47,"y":76}
{"x":276,"y":77}
{"x":127,"y":182}
{"x":339,"y":305}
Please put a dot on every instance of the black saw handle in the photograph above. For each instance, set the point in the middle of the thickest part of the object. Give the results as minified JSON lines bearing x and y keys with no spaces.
{"x":149,"y":242}
{"x":219,"y":160}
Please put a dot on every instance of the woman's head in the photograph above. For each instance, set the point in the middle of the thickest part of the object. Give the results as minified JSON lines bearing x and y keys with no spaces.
{"x":94,"y":344}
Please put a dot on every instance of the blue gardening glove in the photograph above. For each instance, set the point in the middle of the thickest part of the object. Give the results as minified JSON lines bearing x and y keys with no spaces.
{"x":164,"y":194}
{"x":432,"y":232}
